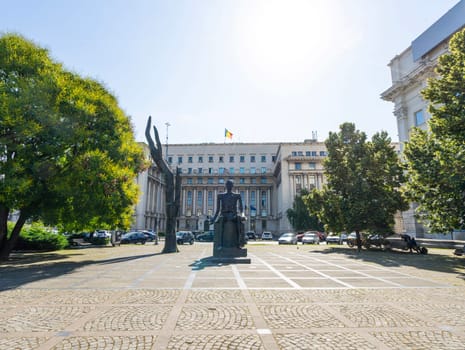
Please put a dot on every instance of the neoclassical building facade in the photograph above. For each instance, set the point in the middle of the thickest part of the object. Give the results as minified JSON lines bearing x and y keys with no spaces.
{"x":409,"y":73}
{"x":149,"y":212}
{"x":267,"y":175}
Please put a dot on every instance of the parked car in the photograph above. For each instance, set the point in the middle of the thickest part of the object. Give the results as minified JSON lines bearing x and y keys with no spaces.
{"x":310,"y":238}
{"x":267,"y":236}
{"x":206,"y":236}
{"x":251,"y":235}
{"x":196,"y":233}
{"x":184,"y":237}
{"x":288,"y":238}
{"x":133,"y":237}
{"x":322,"y":236}
{"x":333,"y":239}
{"x":102,"y":234}
{"x":299,"y":236}
{"x":352,"y":238}
{"x":151,"y":236}
{"x":344,"y":237}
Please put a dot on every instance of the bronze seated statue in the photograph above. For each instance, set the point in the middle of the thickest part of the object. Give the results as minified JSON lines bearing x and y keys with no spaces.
{"x":228,"y":222}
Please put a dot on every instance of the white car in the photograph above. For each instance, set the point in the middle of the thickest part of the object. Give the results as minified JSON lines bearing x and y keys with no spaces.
{"x":288,"y":238}
{"x":310,"y":238}
{"x":102,"y":234}
{"x":333,"y":239}
{"x":267,"y":236}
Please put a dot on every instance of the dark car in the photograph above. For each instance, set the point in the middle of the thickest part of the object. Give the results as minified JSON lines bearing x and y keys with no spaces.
{"x":206,"y":236}
{"x":133,"y":237}
{"x":251,"y":235}
{"x":184,"y":237}
{"x":151,"y":236}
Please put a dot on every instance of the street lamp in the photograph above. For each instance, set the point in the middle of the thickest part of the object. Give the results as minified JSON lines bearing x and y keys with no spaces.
{"x":167,"y":126}
{"x":199,"y":214}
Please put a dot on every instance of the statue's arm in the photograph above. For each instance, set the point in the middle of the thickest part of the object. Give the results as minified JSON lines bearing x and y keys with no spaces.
{"x":218,"y":207}
{"x":241,"y":209}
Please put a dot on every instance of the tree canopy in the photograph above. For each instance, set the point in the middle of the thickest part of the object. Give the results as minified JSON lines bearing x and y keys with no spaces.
{"x":363,"y":178}
{"x":435,"y":159}
{"x":300,"y":217}
{"x":68,"y":154}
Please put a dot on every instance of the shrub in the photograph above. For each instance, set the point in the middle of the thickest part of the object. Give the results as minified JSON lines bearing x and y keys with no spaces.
{"x":37,"y":237}
{"x":100,"y":240}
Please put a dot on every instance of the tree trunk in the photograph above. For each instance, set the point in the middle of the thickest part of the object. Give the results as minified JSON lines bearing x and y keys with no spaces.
{"x":359,"y":240}
{"x":4,"y":211}
{"x":7,"y":244}
{"x":172,"y":189}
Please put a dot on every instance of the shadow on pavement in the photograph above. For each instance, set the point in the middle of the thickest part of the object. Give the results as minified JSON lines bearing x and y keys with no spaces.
{"x":431,"y":261}
{"x":207,"y":262}
{"x":23,"y":268}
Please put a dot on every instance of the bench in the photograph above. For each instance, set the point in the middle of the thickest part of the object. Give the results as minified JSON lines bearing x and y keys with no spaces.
{"x":78,"y":242}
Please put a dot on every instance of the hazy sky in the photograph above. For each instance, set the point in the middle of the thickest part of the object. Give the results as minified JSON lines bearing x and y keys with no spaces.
{"x":266,"y":70}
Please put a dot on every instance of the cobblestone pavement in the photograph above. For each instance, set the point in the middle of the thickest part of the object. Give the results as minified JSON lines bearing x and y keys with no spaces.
{"x":312,"y":297}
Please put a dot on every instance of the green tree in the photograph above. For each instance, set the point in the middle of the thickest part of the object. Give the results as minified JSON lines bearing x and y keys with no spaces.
{"x":435,"y":159}
{"x":68,"y":154}
{"x":362,"y":191}
{"x":299,"y":216}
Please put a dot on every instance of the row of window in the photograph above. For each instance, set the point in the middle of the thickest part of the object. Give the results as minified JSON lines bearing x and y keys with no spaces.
{"x":309,"y":153}
{"x":221,"y":159}
{"x":221,"y":170}
{"x":298,"y":166}
{"x":248,"y":204}
{"x":221,"y":180}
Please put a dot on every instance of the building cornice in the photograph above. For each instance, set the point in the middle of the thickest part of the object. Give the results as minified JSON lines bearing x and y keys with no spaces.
{"x":424,"y":70}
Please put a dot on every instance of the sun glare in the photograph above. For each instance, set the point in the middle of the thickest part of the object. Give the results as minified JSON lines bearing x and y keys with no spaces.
{"x":282,"y":40}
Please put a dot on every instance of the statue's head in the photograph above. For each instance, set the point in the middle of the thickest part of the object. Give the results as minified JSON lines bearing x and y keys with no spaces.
{"x":229,"y":184}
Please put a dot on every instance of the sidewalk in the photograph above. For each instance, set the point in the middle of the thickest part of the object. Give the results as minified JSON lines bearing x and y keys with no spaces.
{"x":304,"y":297}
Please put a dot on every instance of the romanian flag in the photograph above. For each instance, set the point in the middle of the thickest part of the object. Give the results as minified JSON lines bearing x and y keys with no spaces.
{"x":228,"y":134}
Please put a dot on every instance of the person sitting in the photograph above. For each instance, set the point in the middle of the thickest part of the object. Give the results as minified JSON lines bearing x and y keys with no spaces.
{"x":411,"y":242}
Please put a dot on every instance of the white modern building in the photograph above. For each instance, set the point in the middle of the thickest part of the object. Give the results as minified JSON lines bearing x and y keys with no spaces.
{"x":409,"y":73}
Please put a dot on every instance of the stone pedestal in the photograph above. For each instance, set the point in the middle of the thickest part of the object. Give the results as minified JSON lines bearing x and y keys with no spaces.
{"x":226,"y":243}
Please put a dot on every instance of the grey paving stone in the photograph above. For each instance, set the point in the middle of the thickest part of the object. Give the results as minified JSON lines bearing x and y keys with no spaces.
{"x":323,"y":341}
{"x":21,"y":343}
{"x":215,"y":342}
{"x":215,"y":317}
{"x":421,"y":340}
{"x":129,"y":318}
{"x":43,"y":318}
{"x":107,"y":343}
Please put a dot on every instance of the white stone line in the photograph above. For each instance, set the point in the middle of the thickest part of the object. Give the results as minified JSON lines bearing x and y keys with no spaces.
{"x":193,"y":274}
{"x":288,"y":280}
{"x":239,"y":279}
{"x":382,"y":268}
{"x":318,"y":272}
{"x":359,"y":272}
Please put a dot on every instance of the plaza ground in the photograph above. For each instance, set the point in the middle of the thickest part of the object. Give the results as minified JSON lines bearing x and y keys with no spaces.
{"x":289,"y":297}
